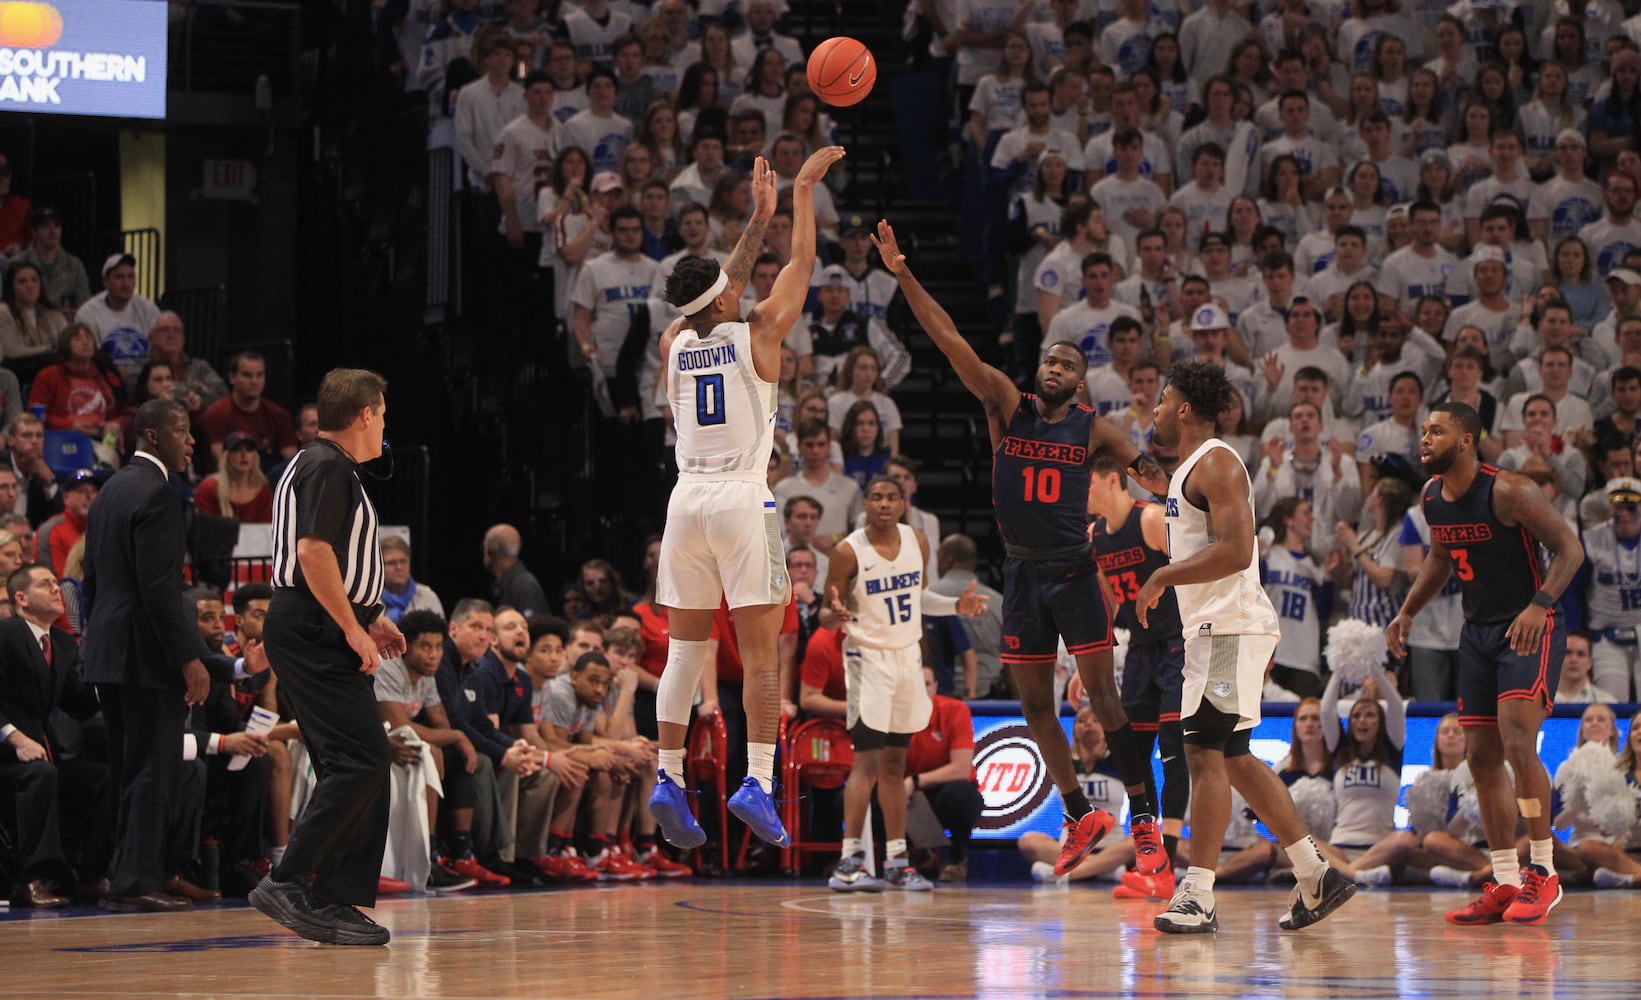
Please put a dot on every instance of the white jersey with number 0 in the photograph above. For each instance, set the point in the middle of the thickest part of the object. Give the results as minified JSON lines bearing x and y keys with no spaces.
{"x":723,"y":411}
{"x":1231,"y":605}
{"x":888,"y":593}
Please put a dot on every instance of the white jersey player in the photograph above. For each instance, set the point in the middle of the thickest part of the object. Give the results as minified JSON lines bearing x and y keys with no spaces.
{"x":881,"y":569}
{"x":1230,"y":633}
{"x":722,"y":539}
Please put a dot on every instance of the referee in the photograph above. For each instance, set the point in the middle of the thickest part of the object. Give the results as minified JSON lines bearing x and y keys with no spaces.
{"x":325,"y":636}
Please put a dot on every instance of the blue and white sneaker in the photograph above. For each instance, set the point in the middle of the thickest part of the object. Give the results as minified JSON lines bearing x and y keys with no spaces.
{"x":851,"y":876}
{"x":670,"y":808}
{"x":756,"y":809}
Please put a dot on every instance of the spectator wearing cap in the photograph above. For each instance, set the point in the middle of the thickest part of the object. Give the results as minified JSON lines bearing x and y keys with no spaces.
{"x":834,"y":329}
{"x":1490,"y":311}
{"x":599,"y":130}
{"x":120,"y":318}
{"x":1232,"y":290}
{"x":1624,"y":288}
{"x":66,"y":282}
{"x":1209,"y":328}
{"x":1567,"y":202}
{"x":238,"y":488}
{"x":197,"y":384}
{"x":58,"y":534}
{"x":872,"y":289}
{"x":76,"y":392}
{"x":1617,"y":231}
{"x":247,"y":409}
{"x":786,"y":156}
{"x":29,"y":321}
{"x":1612,"y":575}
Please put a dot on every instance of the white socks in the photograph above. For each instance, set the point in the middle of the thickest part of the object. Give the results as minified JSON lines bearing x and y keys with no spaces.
{"x":1308,"y":866}
{"x":1201,"y":879}
{"x":760,"y":764}
{"x":895,"y":851}
{"x":851,"y":847}
{"x":672,"y":763}
{"x":1506,"y":867}
{"x":1542,"y":854}
{"x":675,"y":692}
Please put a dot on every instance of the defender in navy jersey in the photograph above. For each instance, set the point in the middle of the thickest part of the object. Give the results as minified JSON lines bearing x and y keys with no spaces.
{"x":1041,"y":447}
{"x":1486,"y":526}
{"x":1130,"y":540}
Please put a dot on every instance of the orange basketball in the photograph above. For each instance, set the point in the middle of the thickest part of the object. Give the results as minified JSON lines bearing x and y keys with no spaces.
{"x":841,"y":71}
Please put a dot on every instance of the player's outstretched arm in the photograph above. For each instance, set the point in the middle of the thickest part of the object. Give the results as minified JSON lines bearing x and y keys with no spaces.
{"x":751,"y":243}
{"x":989,"y":385}
{"x":774,"y":316}
{"x":1224,"y":485}
{"x":1438,"y":566}
{"x":1103,"y":435}
{"x":840,"y":579}
{"x":1518,"y":501}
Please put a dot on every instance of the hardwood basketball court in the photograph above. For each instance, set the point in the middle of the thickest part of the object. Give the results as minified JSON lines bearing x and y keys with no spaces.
{"x":706,"y":939}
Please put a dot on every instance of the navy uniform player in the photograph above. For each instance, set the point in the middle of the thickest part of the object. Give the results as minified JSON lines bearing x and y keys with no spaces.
{"x":1486,"y":526}
{"x":1131,"y":542}
{"x":1230,"y":634}
{"x":722,"y":539}
{"x":1041,"y":446}
{"x":881,"y":569}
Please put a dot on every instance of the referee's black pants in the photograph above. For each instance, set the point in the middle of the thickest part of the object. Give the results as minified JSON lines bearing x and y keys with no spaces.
{"x":340,"y":837}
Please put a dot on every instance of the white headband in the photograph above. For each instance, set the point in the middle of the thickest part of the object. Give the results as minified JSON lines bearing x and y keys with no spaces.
{"x":703,"y":300}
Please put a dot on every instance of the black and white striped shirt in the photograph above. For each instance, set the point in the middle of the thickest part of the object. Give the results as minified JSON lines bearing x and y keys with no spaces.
{"x":320,"y":496}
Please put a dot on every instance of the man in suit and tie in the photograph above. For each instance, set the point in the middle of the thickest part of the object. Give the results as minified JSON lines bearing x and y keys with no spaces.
{"x":39,"y":672}
{"x":141,"y":648}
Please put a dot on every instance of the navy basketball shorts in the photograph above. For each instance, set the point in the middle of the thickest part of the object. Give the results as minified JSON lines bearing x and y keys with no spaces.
{"x":1049,"y":600}
{"x":1152,"y":675}
{"x":1491,"y":672}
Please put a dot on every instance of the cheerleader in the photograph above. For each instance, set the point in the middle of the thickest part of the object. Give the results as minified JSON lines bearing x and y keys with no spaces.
{"x":1442,"y":810}
{"x":1099,"y":779}
{"x":1367,"y":767}
{"x":1596,"y":796}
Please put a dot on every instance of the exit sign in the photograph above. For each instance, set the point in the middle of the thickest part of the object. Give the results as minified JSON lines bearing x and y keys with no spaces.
{"x":230,"y":180}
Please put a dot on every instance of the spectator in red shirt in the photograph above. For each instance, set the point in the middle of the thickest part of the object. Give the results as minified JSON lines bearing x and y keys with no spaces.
{"x":238,"y":488}
{"x":77,"y":393}
{"x":245,"y":410}
{"x":15,"y":211}
{"x":940,"y":764}
{"x":821,"y":688}
{"x":57,"y":536}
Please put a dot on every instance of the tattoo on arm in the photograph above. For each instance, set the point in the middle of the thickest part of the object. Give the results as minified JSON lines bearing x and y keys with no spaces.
{"x":746,"y":252}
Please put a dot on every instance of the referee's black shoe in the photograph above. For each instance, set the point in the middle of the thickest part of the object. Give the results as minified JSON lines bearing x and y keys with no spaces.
{"x":293,"y":906}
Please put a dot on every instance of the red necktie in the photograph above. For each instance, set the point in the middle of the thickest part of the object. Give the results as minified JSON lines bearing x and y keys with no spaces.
{"x":45,"y":647}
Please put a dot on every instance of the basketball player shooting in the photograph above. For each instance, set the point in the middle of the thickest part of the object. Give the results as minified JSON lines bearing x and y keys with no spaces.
{"x":1230,"y":635}
{"x":1486,"y":525}
{"x":1041,"y":449}
{"x":722,"y":537}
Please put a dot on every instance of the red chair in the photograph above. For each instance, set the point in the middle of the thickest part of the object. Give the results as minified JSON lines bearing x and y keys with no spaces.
{"x":818,"y":754}
{"x":705,"y":752}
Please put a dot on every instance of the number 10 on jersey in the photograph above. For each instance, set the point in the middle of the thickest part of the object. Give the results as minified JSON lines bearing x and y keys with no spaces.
{"x":1042,"y":485}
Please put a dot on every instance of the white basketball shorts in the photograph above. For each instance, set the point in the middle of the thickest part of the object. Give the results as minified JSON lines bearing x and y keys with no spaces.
{"x":886,"y":692}
{"x":1227,"y":672}
{"x":722,"y":539}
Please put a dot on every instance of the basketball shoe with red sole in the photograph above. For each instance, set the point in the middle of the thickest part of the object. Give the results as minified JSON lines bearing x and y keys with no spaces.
{"x":1081,"y":837}
{"x":1133,"y":885}
{"x":1540,"y":892}
{"x":1488,"y":908}
{"x":470,"y":868}
{"x":1150,"y":857}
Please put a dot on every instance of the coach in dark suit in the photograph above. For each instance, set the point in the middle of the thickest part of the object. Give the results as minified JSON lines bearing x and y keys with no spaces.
{"x":141,"y":647}
{"x":39,"y":672}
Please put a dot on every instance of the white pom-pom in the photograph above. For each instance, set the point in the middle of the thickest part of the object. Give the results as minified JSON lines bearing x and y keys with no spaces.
{"x":1427,"y":801}
{"x":1354,"y":649}
{"x":1594,"y":792}
{"x":1313,"y":797}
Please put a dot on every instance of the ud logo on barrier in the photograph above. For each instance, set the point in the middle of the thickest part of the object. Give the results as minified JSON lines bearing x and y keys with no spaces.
{"x":1013,"y":781}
